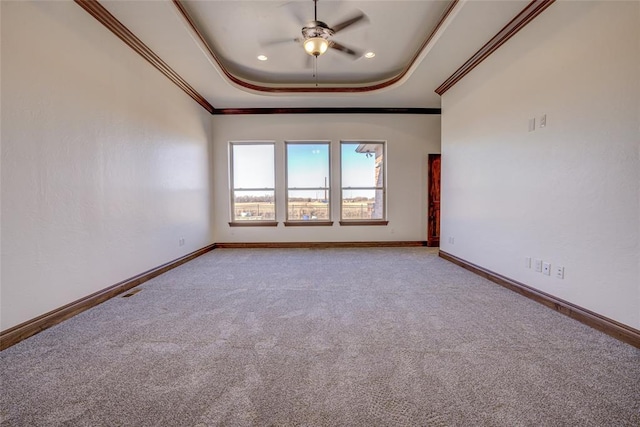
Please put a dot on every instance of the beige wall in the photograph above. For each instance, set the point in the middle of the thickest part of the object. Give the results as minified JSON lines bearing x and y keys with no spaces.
{"x":410,"y":138}
{"x":568,"y":193}
{"x":105,"y":163}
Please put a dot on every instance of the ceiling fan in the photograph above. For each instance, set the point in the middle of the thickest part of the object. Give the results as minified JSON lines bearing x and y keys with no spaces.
{"x":317,"y":35}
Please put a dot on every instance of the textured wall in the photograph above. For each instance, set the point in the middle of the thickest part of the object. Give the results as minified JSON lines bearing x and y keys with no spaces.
{"x":567,"y":193}
{"x":105,"y":163}
{"x":409,"y":139}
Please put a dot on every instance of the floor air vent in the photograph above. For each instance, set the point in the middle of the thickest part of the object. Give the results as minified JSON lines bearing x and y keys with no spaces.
{"x":132,"y":293}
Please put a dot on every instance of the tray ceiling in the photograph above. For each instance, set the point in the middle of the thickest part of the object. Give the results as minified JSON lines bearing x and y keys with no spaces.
{"x":213,"y":45}
{"x":240,"y":31}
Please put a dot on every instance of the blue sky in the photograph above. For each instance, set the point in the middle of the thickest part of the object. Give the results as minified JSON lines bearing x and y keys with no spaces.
{"x":308,"y":166}
{"x":358,"y":170}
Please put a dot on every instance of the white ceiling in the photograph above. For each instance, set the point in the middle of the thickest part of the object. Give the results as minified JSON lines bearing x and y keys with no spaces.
{"x":237,"y":31}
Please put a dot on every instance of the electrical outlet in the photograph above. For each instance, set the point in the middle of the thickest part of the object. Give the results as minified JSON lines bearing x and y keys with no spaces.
{"x":181,"y":241}
{"x":537,"y":263}
{"x":527,"y":262}
{"x":560,"y":272}
{"x":546,"y":269}
{"x":451,"y":240}
{"x":543,"y":120}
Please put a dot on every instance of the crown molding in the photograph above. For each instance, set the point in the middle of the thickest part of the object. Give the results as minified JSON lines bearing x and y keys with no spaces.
{"x":95,"y":9}
{"x":531,"y":11}
{"x":101,"y":14}
{"x":322,"y":110}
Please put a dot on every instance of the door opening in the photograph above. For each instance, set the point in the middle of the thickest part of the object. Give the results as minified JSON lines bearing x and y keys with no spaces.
{"x":433,"y":211}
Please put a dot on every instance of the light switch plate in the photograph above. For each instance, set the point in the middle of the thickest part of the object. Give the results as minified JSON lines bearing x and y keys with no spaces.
{"x":537,"y":263}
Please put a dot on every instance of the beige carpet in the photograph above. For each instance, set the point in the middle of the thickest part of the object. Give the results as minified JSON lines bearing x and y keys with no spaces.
{"x":332,"y":337}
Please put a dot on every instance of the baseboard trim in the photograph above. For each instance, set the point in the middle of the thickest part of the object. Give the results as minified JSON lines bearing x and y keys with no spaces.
{"x":433,"y":243}
{"x":318,"y":245}
{"x":603,"y":324}
{"x":31,"y":327}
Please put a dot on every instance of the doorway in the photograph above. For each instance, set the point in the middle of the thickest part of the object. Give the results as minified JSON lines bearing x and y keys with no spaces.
{"x":433,"y":211}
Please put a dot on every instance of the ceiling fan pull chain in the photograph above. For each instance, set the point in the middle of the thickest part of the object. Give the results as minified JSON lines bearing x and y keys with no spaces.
{"x":315,"y":69}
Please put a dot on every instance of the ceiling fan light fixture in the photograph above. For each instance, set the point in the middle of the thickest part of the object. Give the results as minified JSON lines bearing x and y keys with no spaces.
{"x":316,"y":46}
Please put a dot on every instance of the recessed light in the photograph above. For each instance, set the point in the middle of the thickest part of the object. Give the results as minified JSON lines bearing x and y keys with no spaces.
{"x":262,"y":57}
{"x":369,"y":55}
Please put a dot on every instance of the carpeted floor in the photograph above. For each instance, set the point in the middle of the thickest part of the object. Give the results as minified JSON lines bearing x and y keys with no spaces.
{"x":324,"y":337}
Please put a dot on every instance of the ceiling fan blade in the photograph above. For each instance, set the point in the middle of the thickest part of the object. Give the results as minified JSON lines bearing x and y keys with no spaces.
{"x":280,"y":41}
{"x":294,"y":11}
{"x":360,"y":17}
{"x":344,"y":49}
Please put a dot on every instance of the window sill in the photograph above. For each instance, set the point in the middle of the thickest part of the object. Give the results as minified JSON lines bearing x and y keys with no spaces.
{"x":365,"y":222}
{"x":253,"y":224}
{"x":308,"y":223}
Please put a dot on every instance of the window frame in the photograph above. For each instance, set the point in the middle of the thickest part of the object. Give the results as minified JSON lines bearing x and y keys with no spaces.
{"x":232,"y":190}
{"x":300,"y":222}
{"x":377,"y":221}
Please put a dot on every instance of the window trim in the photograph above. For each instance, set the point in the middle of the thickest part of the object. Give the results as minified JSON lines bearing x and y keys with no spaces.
{"x":365,"y":222}
{"x":300,"y":222}
{"x":256,"y":223}
{"x":305,"y":223}
{"x":232,"y":190}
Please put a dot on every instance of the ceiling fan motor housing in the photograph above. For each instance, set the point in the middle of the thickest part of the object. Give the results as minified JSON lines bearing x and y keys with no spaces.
{"x":317,"y":29}
{"x":316,"y":38}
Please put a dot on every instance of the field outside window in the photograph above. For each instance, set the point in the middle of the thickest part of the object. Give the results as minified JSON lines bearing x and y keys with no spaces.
{"x":252,"y":181}
{"x":362,"y":181}
{"x":308,"y":189}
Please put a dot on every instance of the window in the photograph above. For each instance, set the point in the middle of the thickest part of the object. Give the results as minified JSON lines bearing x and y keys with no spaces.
{"x":308,"y":190}
{"x":362,"y":183}
{"x":252,"y":183}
